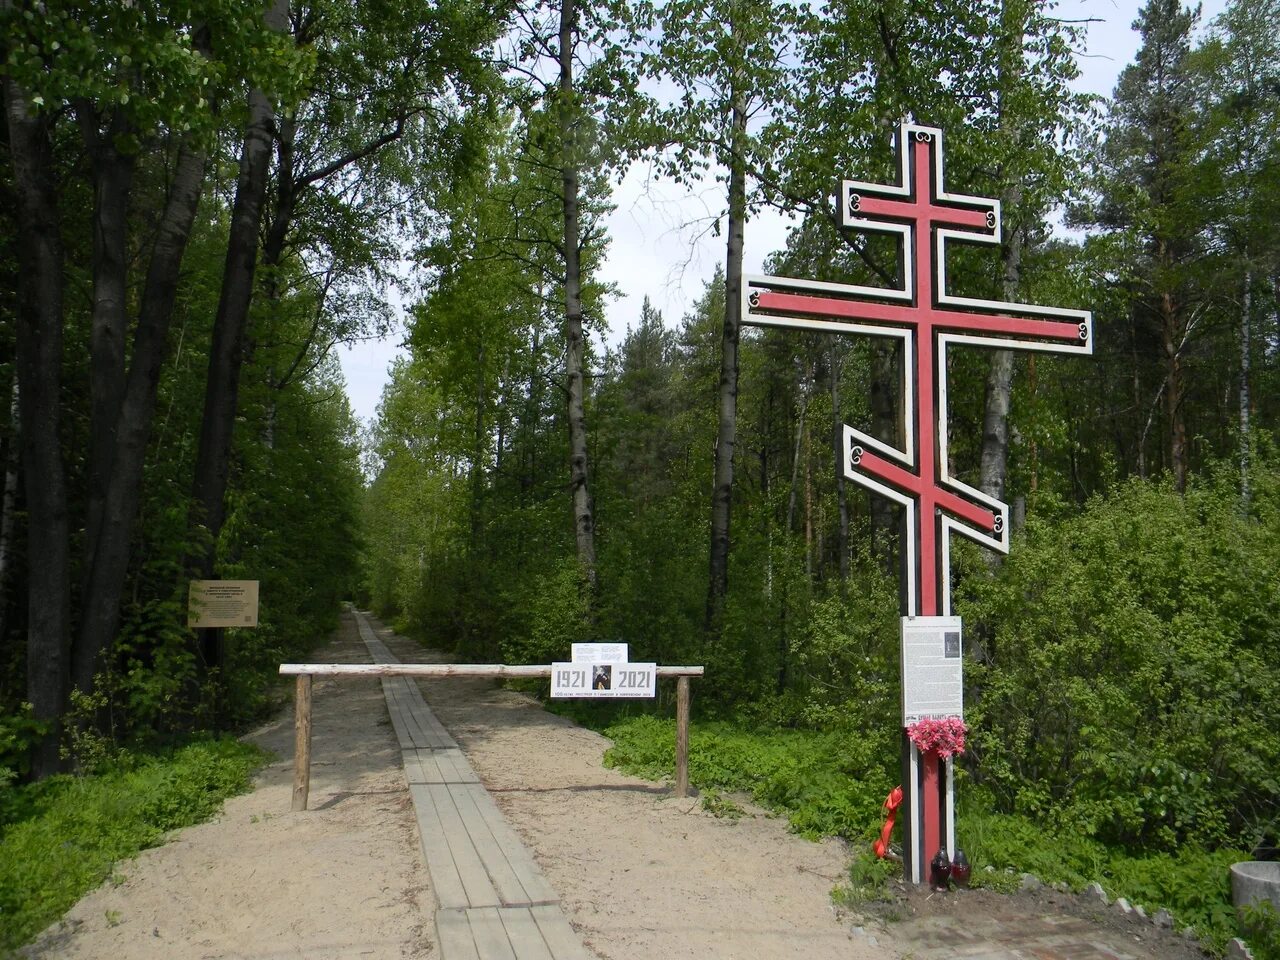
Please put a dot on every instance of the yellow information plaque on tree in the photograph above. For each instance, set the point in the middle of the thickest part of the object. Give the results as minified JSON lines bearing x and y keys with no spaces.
{"x":223,"y":603}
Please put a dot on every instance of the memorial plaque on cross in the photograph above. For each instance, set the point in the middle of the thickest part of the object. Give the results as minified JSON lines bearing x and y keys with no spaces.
{"x":927,"y":320}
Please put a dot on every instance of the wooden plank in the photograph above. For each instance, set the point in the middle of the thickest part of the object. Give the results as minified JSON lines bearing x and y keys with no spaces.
{"x":302,"y":742}
{"x":447,"y":670}
{"x":413,"y":771}
{"x":445,"y":879}
{"x":523,"y":934}
{"x":489,"y":933}
{"x":453,"y":934}
{"x":411,"y":715}
{"x":510,"y":889}
{"x":434,"y":733}
{"x":432,"y":769}
{"x":536,"y":887}
{"x":559,"y":936}
{"x":454,"y":767}
{"x":426,"y":730}
{"x":412,"y":727}
{"x":403,"y":736}
{"x":378,"y":651}
{"x":443,"y":739}
{"x":471,"y":869}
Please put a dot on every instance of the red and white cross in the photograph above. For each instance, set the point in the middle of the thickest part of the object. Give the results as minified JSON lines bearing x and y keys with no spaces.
{"x":926,"y":319}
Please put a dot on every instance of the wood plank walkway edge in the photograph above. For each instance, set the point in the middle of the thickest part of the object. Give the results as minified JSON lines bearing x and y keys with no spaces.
{"x":493,"y":903}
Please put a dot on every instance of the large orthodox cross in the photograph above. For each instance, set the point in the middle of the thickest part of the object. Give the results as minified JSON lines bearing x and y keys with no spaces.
{"x":926,"y":319}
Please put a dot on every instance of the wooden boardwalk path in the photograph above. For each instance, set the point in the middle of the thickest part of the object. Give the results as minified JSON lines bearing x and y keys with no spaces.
{"x":493,"y":902}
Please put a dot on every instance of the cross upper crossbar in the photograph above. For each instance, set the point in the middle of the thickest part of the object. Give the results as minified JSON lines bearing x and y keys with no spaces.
{"x":927,"y":320}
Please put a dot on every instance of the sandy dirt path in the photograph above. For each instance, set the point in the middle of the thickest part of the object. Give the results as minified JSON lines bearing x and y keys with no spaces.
{"x":345,"y":879}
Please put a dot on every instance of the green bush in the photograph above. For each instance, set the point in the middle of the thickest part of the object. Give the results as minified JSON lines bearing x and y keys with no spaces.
{"x":1131,"y":667}
{"x":63,"y":835}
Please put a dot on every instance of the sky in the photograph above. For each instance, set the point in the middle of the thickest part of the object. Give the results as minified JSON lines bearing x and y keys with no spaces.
{"x":661,"y":242}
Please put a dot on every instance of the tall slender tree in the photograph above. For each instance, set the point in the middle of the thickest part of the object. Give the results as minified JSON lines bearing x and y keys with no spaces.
{"x":728,"y":63}
{"x":1150,"y":191}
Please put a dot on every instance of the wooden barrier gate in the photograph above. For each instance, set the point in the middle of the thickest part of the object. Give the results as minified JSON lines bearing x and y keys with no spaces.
{"x":302,"y":703}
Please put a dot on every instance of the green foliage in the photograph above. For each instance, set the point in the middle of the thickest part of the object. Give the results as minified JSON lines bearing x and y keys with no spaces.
{"x":18,"y":731}
{"x":1261,"y":923}
{"x":869,"y":878}
{"x":160,"y":64}
{"x":718,"y":805}
{"x":60,"y":838}
{"x":556,"y":616}
{"x":90,"y":748}
{"x":828,"y":784}
{"x":1131,"y":666}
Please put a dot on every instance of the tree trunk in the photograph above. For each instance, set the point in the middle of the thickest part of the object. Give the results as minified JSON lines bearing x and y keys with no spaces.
{"x":842,"y":498}
{"x":1138,"y":401}
{"x":1175,"y":388}
{"x":1246,"y":433}
{"x":808,"y":511}
{"x":726,"y":435}
{"x":478,"y":454}
{"x":575,"y":343}
{"x":9,"y":458}
{"x":884,"y":426}
{"x":226,"y":353}
{"x":994,"y":467}
{"x":39,"y":369}
{"x":796,"y":453}
{"x":112,"y":175}
{"x":108,"y":566}
{"x":994,"y":470}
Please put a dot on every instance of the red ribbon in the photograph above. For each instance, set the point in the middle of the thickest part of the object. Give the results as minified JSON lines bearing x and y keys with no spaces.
{"x":891,"y":804}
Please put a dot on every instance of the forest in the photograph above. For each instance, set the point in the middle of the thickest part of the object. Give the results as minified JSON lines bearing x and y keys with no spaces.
{"x":202,"y":200}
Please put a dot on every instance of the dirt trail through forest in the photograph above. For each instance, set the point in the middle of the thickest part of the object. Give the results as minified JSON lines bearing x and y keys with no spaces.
{"x":641,"y":875}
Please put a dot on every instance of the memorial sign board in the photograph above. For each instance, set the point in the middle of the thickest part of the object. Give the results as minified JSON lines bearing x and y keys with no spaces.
{"x":222,"y":603}
{"x":599,"y":653}
{"x":603,"y":680}
{"x":932,"y":671}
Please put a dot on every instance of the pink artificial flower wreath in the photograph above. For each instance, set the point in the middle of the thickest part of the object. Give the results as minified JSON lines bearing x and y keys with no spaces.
{"x":944,"y":735}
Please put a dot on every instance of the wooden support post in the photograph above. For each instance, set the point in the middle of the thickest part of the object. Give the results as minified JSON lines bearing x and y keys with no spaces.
{"x":682,"y":736}
{"x":302,"y":742}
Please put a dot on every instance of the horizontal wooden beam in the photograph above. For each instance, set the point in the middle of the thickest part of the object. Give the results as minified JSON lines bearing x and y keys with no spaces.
{"x":442,"y":670}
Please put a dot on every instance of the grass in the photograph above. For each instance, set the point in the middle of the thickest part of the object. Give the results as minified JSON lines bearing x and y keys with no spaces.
{"x":61,"y":838}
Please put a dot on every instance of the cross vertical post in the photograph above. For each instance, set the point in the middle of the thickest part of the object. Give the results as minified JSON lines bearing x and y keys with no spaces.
{"x":927,"y":320}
